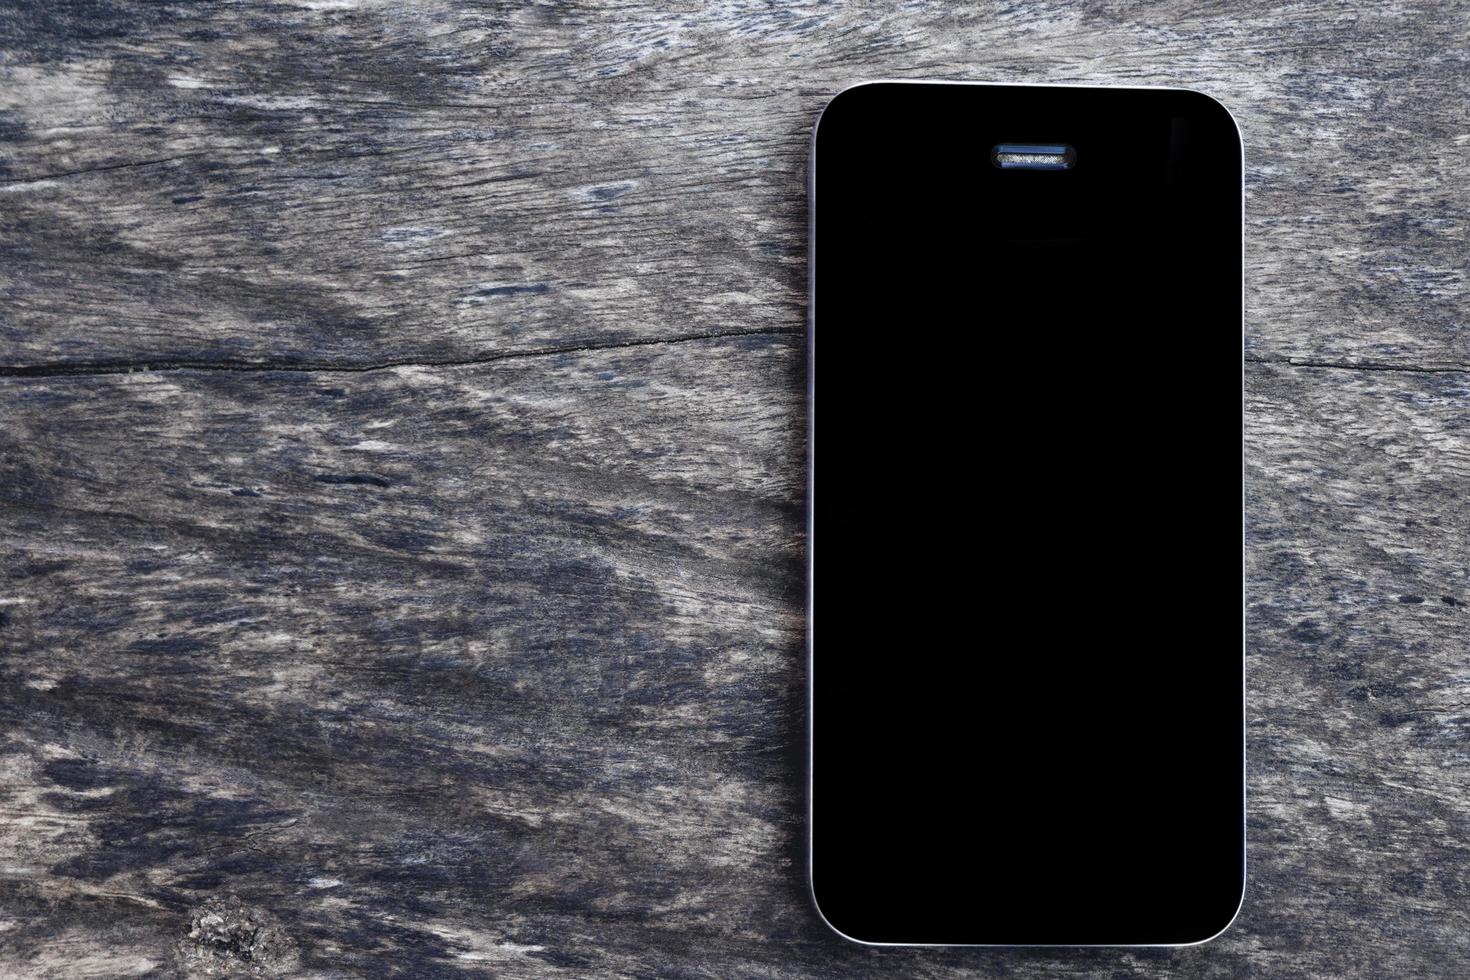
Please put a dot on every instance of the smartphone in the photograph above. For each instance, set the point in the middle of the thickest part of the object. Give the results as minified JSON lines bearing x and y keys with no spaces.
{"x":1026,"y":700}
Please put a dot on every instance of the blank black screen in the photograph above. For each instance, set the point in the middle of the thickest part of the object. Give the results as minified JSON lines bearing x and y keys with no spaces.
{"x":1026,"y":675}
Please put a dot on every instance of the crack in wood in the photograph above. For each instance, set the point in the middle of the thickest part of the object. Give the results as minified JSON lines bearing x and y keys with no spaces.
{"x":1362,"y":365}
{"x":312,"y":367}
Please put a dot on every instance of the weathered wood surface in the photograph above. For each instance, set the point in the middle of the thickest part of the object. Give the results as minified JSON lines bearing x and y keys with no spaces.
{"x":401,"y":439}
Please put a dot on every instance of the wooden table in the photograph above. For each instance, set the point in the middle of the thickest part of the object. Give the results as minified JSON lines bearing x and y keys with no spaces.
{"x":401,"y":480}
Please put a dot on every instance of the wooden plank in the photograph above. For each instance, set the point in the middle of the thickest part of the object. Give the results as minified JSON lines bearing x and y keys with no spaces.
{"x":467,"y":639}
{"x":500,"y":666}
{"x":372,"y":183}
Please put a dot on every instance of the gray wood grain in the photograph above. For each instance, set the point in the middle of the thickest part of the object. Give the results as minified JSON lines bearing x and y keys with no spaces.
{"x":401,"y":480}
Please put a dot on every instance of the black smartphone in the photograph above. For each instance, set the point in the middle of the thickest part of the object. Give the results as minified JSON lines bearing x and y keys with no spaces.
{"x":1026,"y":698}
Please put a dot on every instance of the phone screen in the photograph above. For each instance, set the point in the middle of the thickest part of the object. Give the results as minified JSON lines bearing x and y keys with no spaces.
{"x":1026,"y":671}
